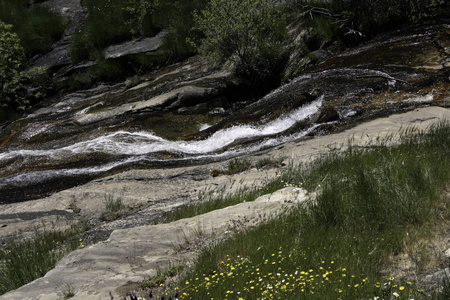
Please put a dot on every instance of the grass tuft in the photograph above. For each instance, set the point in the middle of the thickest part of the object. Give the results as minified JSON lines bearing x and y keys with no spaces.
{"x":24,"y":261}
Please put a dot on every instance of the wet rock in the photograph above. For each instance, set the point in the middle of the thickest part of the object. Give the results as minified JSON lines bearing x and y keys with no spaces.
{"x":144,"y":45}
{"x":193,"y":95}
{"x":201,"y":108}
{"x":327,"y":113}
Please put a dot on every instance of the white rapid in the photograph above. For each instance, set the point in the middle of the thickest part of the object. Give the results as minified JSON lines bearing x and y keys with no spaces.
{"x":138,"y":147}
{"x":141,"y":143}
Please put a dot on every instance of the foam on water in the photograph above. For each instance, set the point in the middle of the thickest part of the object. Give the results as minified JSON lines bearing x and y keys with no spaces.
{"x":141,"y":143}
{"x":40,"y":176}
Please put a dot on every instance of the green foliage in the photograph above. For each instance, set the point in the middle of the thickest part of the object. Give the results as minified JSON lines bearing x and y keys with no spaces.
{"x":23,"y":262}
{"x":111,"y":22}
{"x":37,"y":27}
{"x":177,"y":19}
{"x":141,"y":13}
{"x":373,"y":16}
{"x":338,"y":245}
{"x":248,"y":34}
{"x":12,"y":57}
{"x":108,"y":22}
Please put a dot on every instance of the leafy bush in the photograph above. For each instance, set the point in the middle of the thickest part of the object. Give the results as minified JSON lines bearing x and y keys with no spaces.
{"x":177,"y":19}
{"x":37,"y":27}
{"x":247,"y":33}
{"x":116,"y":21}
{"x":12,"y":57}
{"x":108,"y":22}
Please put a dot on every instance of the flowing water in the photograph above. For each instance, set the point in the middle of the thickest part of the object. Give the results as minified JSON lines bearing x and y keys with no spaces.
{"x":50,"y":150}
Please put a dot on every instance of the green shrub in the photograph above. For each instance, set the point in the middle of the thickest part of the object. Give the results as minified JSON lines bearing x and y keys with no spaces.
{"x":37,"y":27}
{"x":12,"y":57}
{"x":177,"y":19}
{"x":248,"y":34}
{"x":111,"y":22}
{"x":372,"y":16}
{"x":238,"y":165}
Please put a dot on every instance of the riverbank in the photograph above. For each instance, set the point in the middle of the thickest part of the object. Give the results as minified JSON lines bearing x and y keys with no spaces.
{"x":112,"y":269}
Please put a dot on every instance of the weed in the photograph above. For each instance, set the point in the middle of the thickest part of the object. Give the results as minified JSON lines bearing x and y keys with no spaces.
{"x":267,"y":163}
{"x":113,"y":205}
{"x":68,"y":292}
{"x":114,"y":208}
{"x":161,"y":277}
{"x":238,"y":165}
{"x":222,"y":200}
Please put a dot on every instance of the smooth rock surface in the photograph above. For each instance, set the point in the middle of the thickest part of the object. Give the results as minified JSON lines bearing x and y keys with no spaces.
{"x":135,"y":254}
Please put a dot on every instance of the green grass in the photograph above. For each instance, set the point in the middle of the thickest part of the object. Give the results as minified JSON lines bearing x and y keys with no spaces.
{"x":370,"y":201}
{"x":207,"y":204}
{"x":37,"y":27}
{"x":24,"y":261}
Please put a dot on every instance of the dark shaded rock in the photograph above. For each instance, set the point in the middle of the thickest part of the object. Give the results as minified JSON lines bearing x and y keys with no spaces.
{"x":326,"y":114}
{"x":193,"y":95}
{"x":320,"y":55}
{"x":201,"y":108}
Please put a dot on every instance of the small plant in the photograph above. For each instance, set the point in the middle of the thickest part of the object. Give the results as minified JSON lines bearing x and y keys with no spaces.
{"x":114,"y":208}
{"x":267,"y":163}
{"x":161,"y":277}
{"x":113,"y":205}
{"x":238,"y":165}
{"x":68,"y":292}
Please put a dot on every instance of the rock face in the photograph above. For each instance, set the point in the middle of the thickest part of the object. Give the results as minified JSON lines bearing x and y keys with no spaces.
{"x":97,"y":271}
{"x":134,"y":254}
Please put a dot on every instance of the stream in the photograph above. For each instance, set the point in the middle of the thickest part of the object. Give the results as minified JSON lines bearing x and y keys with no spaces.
{"x":184,"y":115}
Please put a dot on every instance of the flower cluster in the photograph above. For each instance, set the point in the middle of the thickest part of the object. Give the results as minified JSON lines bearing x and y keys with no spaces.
{"x":240,"y":278}
{"x":277,"y":278}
